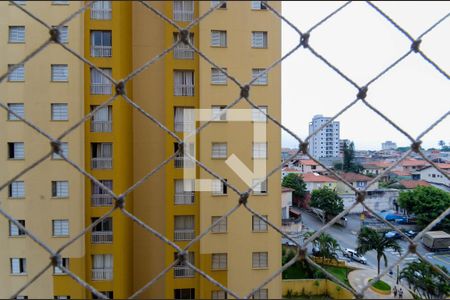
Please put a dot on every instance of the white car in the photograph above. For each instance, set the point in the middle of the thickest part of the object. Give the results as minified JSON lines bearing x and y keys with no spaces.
{"x":352,"y":254}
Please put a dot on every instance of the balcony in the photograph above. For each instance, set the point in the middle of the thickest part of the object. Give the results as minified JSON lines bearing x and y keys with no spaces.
{"x":183,"y":162}
{"x":101,"y":51}
{"x":183,"y":271}
{"x":101,"y":126}
{"x":184,"y":234}
{"x":182,"y":51}
{"x":102,"y":274}
{"x":183,"y":15}
{"x":184,"y":126}
{"x":101,"y":200}
{"x":101,"y":237}
{"x":101,"y":13}
{"x":184,"y":198}
{"x":101,"y":163}
{"x":101,"y":88}
{"x":184,"y":90}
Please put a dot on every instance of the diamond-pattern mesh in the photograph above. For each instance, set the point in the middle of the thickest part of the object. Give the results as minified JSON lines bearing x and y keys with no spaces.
{"x":241,"y":196}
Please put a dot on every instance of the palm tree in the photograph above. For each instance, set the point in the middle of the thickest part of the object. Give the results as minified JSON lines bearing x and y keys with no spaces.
{"x":369,"y":239}
{"x":328,"y":247}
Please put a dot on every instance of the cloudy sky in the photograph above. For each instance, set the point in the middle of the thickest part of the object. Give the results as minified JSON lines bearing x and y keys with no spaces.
{"x":361,"y":43}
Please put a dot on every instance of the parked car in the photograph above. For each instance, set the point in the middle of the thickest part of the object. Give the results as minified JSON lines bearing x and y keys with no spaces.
{"x":410,"y":233}
{"x":352,"y":254}
{"x":393,"y":235}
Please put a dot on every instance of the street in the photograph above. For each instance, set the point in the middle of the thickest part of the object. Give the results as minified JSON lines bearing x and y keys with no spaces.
{"x":347,"y":238}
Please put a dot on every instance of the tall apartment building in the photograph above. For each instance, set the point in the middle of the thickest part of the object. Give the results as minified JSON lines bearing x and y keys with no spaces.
{"x":326,"y":142}
{"x":388,"y":145}
{"x":119,"y":145}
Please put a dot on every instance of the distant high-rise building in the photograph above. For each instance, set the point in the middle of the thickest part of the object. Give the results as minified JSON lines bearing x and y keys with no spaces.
{"x":341,"y":146}
{"x":388,"y":145}
{"x":326,"y":142}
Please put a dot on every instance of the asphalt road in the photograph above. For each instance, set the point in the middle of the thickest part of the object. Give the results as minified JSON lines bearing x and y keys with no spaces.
{"x":347,"y":238}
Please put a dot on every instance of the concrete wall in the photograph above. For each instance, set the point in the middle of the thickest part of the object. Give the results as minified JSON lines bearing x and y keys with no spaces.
{"x":315,"y":287}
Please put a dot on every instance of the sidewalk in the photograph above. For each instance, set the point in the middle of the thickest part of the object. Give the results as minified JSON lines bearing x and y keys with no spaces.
{"x":359,"y":278}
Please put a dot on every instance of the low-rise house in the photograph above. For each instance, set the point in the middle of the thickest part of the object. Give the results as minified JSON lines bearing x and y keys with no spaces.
{"x":411,"y":165}
{"x":358,"y":181}
{"x":316,"y":181}
{"x":412,"y":184}
{"x":287,"y":170}
{"x":286,"y":202}
{"x":434,"y":177}
{"x":308,"y":166}
{"x":375,"y":167}
{"x":398,"y":175}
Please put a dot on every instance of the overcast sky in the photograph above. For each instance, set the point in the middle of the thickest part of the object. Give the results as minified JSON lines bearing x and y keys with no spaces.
{"x":362,"y":43}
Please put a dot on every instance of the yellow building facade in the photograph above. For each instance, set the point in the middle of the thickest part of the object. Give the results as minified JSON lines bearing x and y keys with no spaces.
{"x":119,"y":146}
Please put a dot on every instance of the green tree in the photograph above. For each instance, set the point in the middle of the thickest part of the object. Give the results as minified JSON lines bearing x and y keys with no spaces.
{"x":424,"y":280}
{"x":348,"y":164}
{"x":441,"y":143}
{"x":369,"y":239}
{"x":426,"y":203}
{"x":296,"y":183}
{"x":327,"y":200}
{"x":328,"y":246}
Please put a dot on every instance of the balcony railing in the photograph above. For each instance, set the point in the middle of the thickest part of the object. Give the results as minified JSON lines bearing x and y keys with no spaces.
{"x":102,"y":237}
{"x":183,"y":162}
{"x":184,"y":90}
{"x":101,"y":200}
{"x":184,"y":234}
{"x":101,"y":163}
{"x":183,"y":15}
{"x":101,"y":14}
{"x":101,"y":126}
{"x":101,"y":51}
{"x":184,"y":126}
{"x":183,"y":52}
{"x":102,"y":274}
{"x":101,"y":88}
{"x":184,"y":198}
{"x":182,"y":271}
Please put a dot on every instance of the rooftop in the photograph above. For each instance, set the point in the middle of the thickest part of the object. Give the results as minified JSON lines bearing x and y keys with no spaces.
{"x":353,"y":177}
{"x":411,"y":184}
{"x":314,"y":177}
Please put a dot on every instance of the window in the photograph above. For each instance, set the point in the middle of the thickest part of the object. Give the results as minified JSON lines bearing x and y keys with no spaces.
{"x":181,"y":50}
{"x":100,"y":84}
{"x":218,"y":187}
{"x":16,"y":34}
{"x":183,"y":83}
{"x":261,"y":294}
{"x":64,"y":149}
{"x":61,"y":297}
{"x":184,"y":191}
{"x":102,"y":267}
{"x":259,"y":260}
{"x":217,"y":76}
{"x":182,"y":270}
{"x":219,"y":150}
{"x":101,"y":154}
{"x":258,"y":116}
{"x":64,"y":263}
{"x":218,"y":38}
{"x":261,"y":188}
{"x":18,"y":109}
{"x":60,"y":189}
{"x":259,"y":150}
{"x":219,"y":261}
{"x":184,"y":293}
{"x":101,"y":10}
{"x":16,"y":150}
{"x":16,"y":189}
{"x":183,"y":161}
{"x":102,"y":233}
{"x":261,"y":80}
{"x":59,"y":112}
{"x":18,"y":75}
{"x":64,"y":34}
{"x":60,"y":73}
{"x":108,"y":294}
{"x":221,"y":227}
{"x":259,"y":39}
{"x":60,"y":227}
{"x":258,"y":5}
{"x":217,"y":113}
{"x":183,"y":11}
{"x":184,"y":119}
{"x":218,"y":294}
{"x":14,"y":230}
{"x":360,"y":184}
{"x":223,"y":5}
{"x":184,"y":228}
{"x":258,"y":225}
{"x":99,"y":196}
{"x":101,"y":43}
{"x":102,"y":119}
{"x":18,"y":265}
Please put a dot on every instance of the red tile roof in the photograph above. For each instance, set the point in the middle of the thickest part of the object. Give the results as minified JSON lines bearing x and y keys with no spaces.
{"x":353,"y":177}
{"x":410,"y":184}
{"x":409,"y":162}
{"x":314,"y":177}
{"x":292,"y":170}
{"x":378,"y":164}
{"x":443,"y":166}
{"x":401,"y":173}
{"x":307,"y":162}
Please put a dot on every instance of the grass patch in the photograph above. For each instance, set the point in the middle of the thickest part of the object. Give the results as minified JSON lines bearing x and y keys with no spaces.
{"x":381,"y":285}
{"x":340,"y":273}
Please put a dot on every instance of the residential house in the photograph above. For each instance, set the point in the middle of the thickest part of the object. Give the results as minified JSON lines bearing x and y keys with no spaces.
{"x":434,"y":177}
{"x":316,"y":181}
{"x":358,"y":181}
